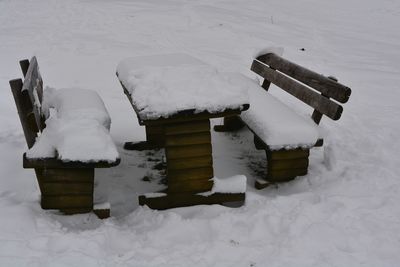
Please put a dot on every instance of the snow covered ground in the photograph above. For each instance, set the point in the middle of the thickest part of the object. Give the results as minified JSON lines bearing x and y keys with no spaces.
{"x":345,"y":212}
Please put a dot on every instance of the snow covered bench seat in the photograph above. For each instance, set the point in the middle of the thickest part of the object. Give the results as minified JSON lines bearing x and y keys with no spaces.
{"x":67,"y":132}
{"x":285,"y":135}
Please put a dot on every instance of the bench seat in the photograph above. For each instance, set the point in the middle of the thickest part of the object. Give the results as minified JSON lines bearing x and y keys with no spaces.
{"x":67,"y":133}
{"x":277,"y":125}
{"x":77,"y":128}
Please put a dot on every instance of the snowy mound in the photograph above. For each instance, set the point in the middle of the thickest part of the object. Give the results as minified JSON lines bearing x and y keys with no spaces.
{"x":278,"y":125}
{"x":161,"y":86}
{"x":77,"y":127}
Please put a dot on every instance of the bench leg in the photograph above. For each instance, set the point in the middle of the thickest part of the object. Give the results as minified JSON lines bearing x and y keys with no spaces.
{"x":285,"y":165}
{"x":67,"y":190}
{"x":231,"y":123}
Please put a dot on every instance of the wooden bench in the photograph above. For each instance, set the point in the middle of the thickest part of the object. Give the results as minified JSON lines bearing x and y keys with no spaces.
{"x":64,"y":185}
{"x":284,"y":135}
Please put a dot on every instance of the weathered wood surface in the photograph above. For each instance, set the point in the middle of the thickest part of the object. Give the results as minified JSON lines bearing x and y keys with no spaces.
{"x":66,"y":186}
{"x":325,"y":85}
{"x":189,"y":157}
{"x":231,"y":123}
{"x":313,"y":99}
{"x":287,"y":154}
{"x":33,"y":85}
{"x":56,"y":163}
{"x":28,"y":122}
{"x":185,"y":200}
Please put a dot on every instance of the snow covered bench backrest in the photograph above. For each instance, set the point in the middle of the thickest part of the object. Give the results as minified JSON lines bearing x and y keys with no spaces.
{"x":275,"y":69}
{"x":29,"y":99}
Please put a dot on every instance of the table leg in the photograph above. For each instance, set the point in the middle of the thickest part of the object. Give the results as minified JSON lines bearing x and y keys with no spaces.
{"x":154,"y":139}
{"x":188,"y":152}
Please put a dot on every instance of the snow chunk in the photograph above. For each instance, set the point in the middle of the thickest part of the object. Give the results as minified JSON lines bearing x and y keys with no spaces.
{"x":102,"y":206}
{"x":162,"y":85}
{"x":77,"y":127}
{"x":278,"y":125}
{"x":232,"y":185}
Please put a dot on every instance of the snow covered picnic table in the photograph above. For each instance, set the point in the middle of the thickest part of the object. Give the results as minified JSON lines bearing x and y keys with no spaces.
{"x":175,"y":96}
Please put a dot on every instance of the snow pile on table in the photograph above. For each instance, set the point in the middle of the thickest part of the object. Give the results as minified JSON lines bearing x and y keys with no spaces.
{"x":77,"y":127}
{"x":278,"y":125}
{"x":163,"y":85}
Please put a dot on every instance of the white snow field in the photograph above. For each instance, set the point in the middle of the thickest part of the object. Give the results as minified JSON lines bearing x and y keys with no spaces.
{"x":345,"y":212}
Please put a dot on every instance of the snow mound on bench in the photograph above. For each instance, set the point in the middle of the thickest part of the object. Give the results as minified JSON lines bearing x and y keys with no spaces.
{"x":77,"y":127}
{"x":278,"y":125}
{"x":162,"y":85}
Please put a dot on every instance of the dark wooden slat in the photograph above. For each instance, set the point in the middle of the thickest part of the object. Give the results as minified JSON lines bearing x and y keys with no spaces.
{"x":155,"y":135}
{"x":300,"y":163}
{"x":33,"y":86}
{"x":185,"y":200}
{"x":56,"y":163}
{"x":24,"y":64}
{"x":288,"y":154}
{"x":189,"y":163}
{"x":188,"y":151}
{"x":67,"y":188}
{"x":188,"y":127}
{"x":30,"y":135}
{"x":285,"y":175}
{"x":66,"y":175}
{"x":193,"y":186}
{"x":67,"y":202}
{"x":313,"y":99}
{"x":231,"y":123}
{"x":184,"y":175}
{"x":325,"y":85}
{"x":188,"y":139}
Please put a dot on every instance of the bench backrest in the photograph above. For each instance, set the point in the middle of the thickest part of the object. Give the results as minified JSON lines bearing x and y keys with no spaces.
{"x":298,"y":81}
{"x":28,"y":98}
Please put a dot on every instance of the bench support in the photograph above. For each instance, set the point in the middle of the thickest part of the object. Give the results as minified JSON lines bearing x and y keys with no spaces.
{"x":67,"y":190}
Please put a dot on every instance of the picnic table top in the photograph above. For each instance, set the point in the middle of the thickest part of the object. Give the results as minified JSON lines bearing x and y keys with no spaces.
{"x":175,"y":85}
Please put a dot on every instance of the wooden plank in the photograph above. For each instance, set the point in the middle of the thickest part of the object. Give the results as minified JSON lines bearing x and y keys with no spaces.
{"x":287,"y":164}
{"x":79,"y":211}
{"x":33,"y":85}
{"x":231,"y":123}
{"x":323,"y":84}
{"x":194,"y":186}
{"x":189,"y":163}
{"x":188,"y":127}
{"x":67,"y":175}
{"x":186,"y":200}
{"x":24,"y":64}
{"x":67,"y":202}
{"x":188,"y":139}
{"x":155,"y":135}
{"x":59,"y":164}
{"x":191,"y":151}
{"x":285,"y":175}
{"x":308,"y":96}
{"x":288,"y":154}
{"x":30,"y":135}
{"x":58,"y":188}
{"x":183,"y":175}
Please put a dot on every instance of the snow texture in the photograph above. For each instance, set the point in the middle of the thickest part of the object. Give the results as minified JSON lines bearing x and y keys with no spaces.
{"x":77,"y":127}
{"x":229,"y":185}
{"x":163,"y":85}
{"x":344,"y":212}
{"x":278,"y":125}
